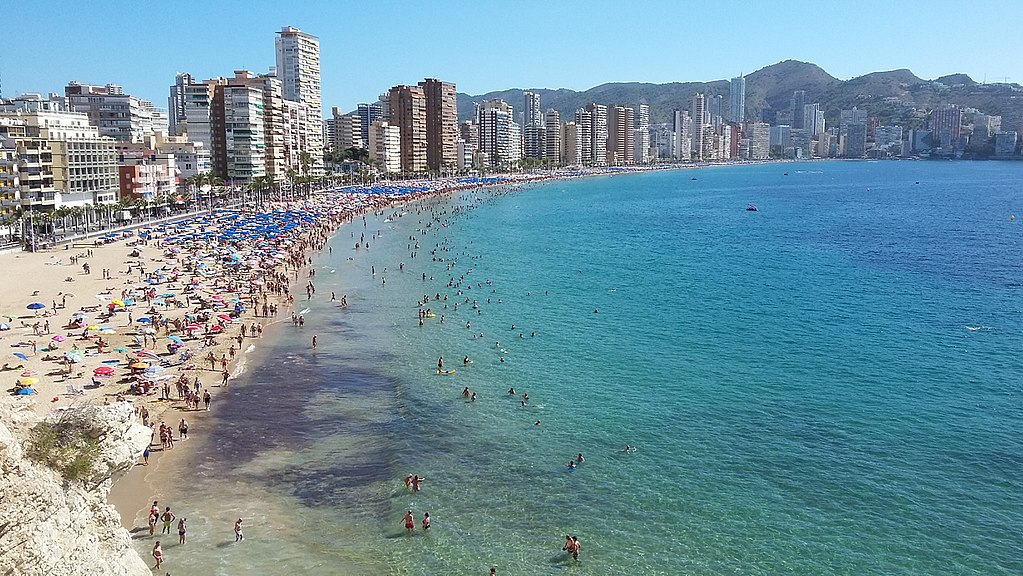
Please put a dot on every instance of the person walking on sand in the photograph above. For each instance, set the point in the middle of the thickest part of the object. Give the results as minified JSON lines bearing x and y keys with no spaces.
{"x":157,"y":555}
{"x":207,"y":398}
{"x":226,"y":375}
{"x":410,"y":522}
{"x":238,"y":536}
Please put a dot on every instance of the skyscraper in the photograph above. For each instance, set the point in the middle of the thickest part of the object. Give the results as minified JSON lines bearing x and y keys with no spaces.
{"x":369,"y":113}
{"x":641,"y":140}
{"x":298,"y":67}
{"x":533,"y":140}
{"x":441,"y":124}
{"x":620,"y":126}
{"x":498,"y":133}
{"x":408,"y":113}
{"x":552,"y":137}
{"x":737,"y":100}
{"x":584,"y":135}
{"x":176,"y":103}
{"x":813,"y":119}
{"x":699,"y":124}
{"x":682,"y":145}
{"x":598,"y":133}
{"x":798,"y":101}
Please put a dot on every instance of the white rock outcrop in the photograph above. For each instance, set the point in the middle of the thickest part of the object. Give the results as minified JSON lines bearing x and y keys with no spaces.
{"x":49,"y":525}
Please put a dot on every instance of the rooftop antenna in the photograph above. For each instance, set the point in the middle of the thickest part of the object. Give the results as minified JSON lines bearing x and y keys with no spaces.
{"x":1007,"y":79}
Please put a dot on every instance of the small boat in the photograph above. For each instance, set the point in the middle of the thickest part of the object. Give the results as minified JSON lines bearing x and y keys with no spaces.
{"x":751,"y":208}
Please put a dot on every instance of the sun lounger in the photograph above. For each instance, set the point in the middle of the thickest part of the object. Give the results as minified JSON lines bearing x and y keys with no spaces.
{"x":74,"y":391}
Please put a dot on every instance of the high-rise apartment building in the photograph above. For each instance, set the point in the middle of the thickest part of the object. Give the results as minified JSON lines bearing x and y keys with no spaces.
{"x":855,"y":139}
{"x":681,"y":125}
{"x":368,"y":114}
{"x":737,"y":100}
{"x":715,"y":107}
{"x":584,"y":129}
{"x":343,"y":131}
{"x":620,"y":134}
{"x":552,"y":137}
{"x":598,"y":134}
{"x":385,"y":146}
{"x":813,"y":119}
{"x":641,"y":139}
{"x":298,"y":68}
{"x":408,"y":113}
{"x":441,"y":124}
{"x":946,"y":124}
{"x":176,"y":103}
{"x":532,"y":126}
{"x":571,"y":145}
{"x":699,"y":126}
{"x":121,"y":116}
{"x":498,"y":133}
{"x":759,"y":141}
{"x":242,"y":156}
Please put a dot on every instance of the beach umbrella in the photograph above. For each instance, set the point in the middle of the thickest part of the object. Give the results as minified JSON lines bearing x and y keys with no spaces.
{"x":36,"y":306}
{"x":25,"y":391}
{"x":224,"y":317}
{"x":193,"y":327}
{"x":20,"y":355}
{"x":108,"y":330}
{"x":73,"y":357}
{"x":176,"y":339}
{"x":138,"y":365}
{"x":5,"y":326}
{"x":155,"y":369}
{"x":92,"y":327}
{"x":117,"y":302}
{"x":120,"y":349}
{"x":144,"y":320}
{"x":103,"y":371}
{"x":58,"y":338}
{"x":217,"y":328}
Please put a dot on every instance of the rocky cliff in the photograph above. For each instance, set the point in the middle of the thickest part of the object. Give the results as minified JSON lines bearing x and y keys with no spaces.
{"x":50,"y":524}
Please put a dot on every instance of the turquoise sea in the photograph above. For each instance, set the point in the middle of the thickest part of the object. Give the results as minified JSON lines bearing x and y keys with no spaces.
{"x":829,"y":385}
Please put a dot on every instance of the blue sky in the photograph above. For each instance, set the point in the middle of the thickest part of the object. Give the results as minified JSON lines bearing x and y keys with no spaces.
{"x":368,"y":46}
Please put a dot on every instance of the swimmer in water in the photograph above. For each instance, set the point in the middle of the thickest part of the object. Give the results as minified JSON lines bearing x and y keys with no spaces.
{"x":580,"y":458}
{"x":465,"y":361}
{"x":571,"y":464}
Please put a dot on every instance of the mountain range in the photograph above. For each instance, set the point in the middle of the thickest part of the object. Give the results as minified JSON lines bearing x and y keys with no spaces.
{"x":895,"y":97}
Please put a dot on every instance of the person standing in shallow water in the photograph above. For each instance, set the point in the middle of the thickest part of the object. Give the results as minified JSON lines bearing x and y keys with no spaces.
{"x":157,"y":555}
{"x":410,"y":522}
{"x":238,"y":536}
